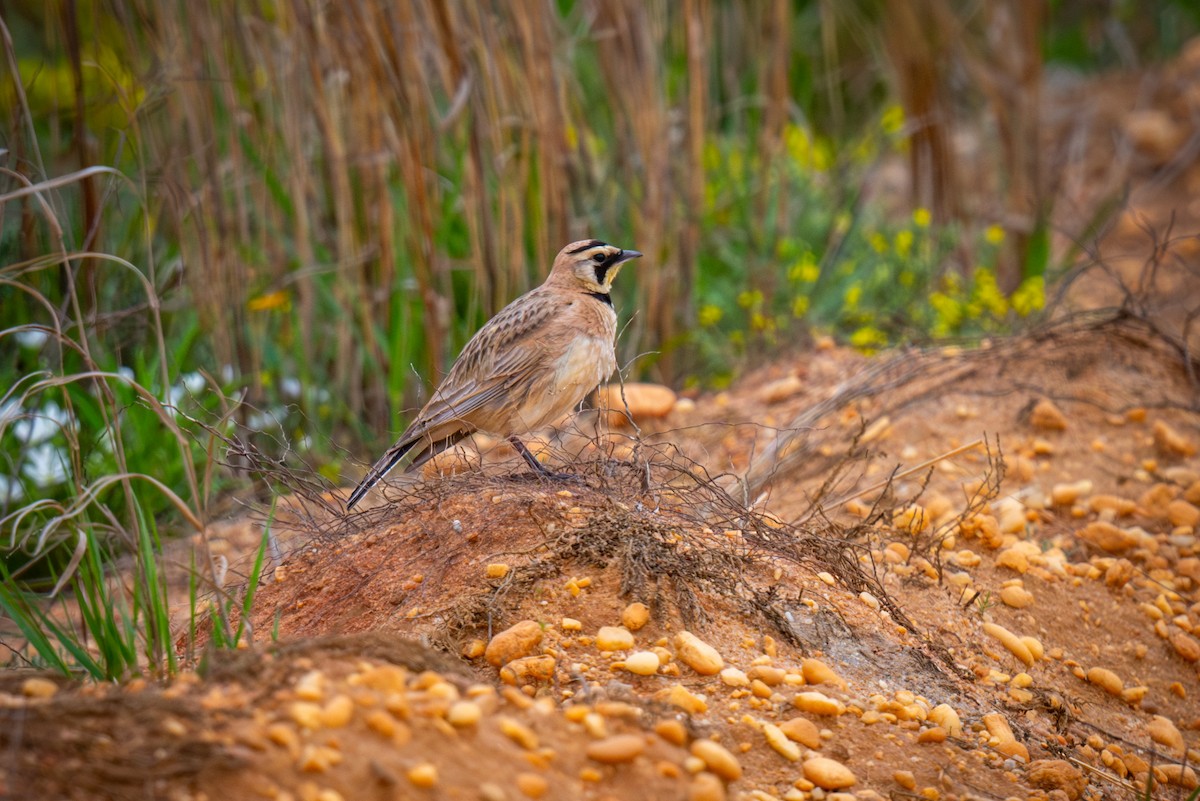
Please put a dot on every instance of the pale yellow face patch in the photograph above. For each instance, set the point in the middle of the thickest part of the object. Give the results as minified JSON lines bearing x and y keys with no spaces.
{"x":596,"y":267}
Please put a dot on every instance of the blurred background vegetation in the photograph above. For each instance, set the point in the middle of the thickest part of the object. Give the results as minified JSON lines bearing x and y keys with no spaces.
{"x":285,"y":218}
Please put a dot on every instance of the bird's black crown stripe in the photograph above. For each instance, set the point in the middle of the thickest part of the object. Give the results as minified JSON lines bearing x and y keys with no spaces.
{"x":588,"y":245}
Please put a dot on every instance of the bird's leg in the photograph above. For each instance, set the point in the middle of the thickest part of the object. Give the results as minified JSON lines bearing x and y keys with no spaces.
{"x":532,"y":461}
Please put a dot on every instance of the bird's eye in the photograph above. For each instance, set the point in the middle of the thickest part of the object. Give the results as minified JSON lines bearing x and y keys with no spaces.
{"x":600,"y":258}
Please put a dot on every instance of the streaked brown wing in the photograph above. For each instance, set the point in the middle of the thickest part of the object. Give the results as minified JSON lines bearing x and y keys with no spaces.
{"x":503,"y":355}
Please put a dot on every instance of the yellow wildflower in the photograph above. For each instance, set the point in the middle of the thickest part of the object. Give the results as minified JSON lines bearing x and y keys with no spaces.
{"x":853,"y":296}
{"x":806,"y":269}
{"x":868,"y":338}
{"x":271,"y":300}
{"x":892,"y":120}
{"x":709,"y":315}
{"x":904,"y":241}
{"x":800,"y":306}
{"x":878,"y":242}
{"x":750,"y":299}
{"x":1030,"y":296}
{"x":922,"y":217}
{"x":993,"y":234}
{"x":986,"y":295}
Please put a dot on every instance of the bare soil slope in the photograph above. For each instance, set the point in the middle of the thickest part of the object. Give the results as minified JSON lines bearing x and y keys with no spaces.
{"x":1024,"y":623}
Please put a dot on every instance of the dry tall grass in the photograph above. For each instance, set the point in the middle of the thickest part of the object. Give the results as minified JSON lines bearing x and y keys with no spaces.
{"x":355,"y":127}
{"x":393,"y":173}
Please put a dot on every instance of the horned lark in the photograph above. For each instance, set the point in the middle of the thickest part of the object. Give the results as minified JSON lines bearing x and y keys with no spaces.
{"x":527,"y":367}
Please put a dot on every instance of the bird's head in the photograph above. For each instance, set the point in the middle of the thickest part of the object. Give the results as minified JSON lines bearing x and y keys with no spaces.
{"x":591,"y":264}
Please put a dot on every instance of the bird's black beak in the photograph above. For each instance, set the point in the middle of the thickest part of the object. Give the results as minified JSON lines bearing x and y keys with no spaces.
{"x":626,"y":255}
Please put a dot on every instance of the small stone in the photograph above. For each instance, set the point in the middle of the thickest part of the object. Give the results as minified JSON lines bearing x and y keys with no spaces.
{"x":685,"y":699}
{"x":934,"y":734}
{"x":1069,"y":494}
{"x":338,"y":712}
{"x":519,"y":733}
{"x":1154,"y":133}
{"x":1014,"y":749}
{"x":767,"y":674}
{"x":532,"y":785}
{"x":1170,"y":443}
{"x":519,"y":640}
{"x":285,"y":736}
{"x":528,"y":670}
{"x":718,"y":759}
{"x":672,"y":731}
{"x":1016,"y":597}
{"x":782,"y":744}
{"x":464,"y":713}
{"x":1107,"y":680}
{"x":997,"y":726}
{"x":496,"y":570}
{"x":642,"y":663}
{"x":817,"y":672}
{"x":818,"y":704}
{"x":1182,"y":513}
{"x":1047,"y":417}
{"x":1120,"y":507}
{"x":905,"y":779}
{"x":1186,"y":646}
{"x":306,"y":715}
{"x":424,"y":775}
{"x":38,"y":687}
{"x":828,"y":774}
{"x":614,"y":638}
{"x":781,"y":389}
{"x":706,"y":787}
{"x":644,"y":401}
{"x":697,"y":654}
{"x":1119,"y":573}
{"x":1014,"y":559}
{"x":490,"y":791}
{"x":1057,"y":774}
{"x":1108,"y":537}
{"x":571,"y":624}
{"x":616,"y":749}
{"x":635,"y":616}
{"x":1182,"y":775}
{"x":1010,"y":641}
{"x":1164,"y":732}
{"x":311,"y":686}
{"x":318,"y":758}
{"x":945,"y":716}
{"x":733,"y":677}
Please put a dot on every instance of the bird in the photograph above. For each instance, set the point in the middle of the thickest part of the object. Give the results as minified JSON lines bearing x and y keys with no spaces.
{"x":527,"y":367}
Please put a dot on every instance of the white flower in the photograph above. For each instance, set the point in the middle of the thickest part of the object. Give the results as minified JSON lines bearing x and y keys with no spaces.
{"x":261,"y":421}
{"x":127,"y":373}
{"x":227,"y":373}
{"x":31,"y":338}
{"x":37,"y":427}
{"x":10,"y":490}
{"x":194,"y":383}
{"x":45,"y":466}
{"x":290,"y":387}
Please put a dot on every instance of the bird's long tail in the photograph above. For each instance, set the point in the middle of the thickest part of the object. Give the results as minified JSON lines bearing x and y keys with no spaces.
{"x":397,"y":452}
{"x":379,"y":470}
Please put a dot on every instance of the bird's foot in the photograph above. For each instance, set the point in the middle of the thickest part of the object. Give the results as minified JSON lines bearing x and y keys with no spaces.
{"x":540,"y":469}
